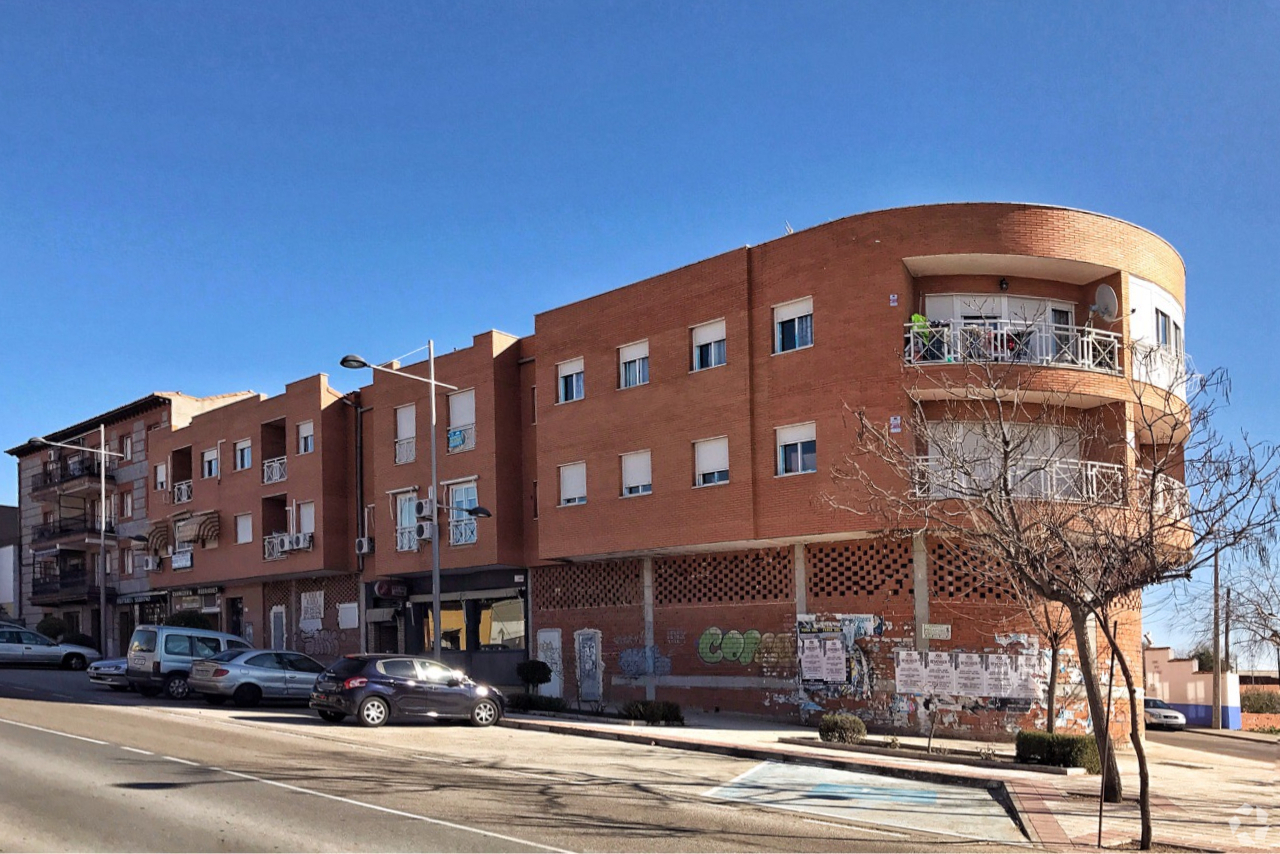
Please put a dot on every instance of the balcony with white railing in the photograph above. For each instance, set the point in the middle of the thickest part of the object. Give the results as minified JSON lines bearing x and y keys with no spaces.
{"x":182,"y":492}
{"x":462,"y":438}
{"x":1169,"y":497}
{"x":1082,"y":481}
{"x":407,"y":539}
{"x":275,"y":470}
{"x":272,"y":547}
{"x":405,"y":450}
{"x":462,"y":531}
{"x":1018,"y":342}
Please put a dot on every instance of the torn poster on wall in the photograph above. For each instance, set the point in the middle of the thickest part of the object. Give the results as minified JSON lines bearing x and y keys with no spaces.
{"x":969,"y":674}
{"x":829,"y":654}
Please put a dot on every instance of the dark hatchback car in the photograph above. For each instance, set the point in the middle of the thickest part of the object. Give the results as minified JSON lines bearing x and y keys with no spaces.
{"x":379,"y":688}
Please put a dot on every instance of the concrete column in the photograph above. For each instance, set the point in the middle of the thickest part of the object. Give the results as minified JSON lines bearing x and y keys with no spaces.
{"x":920,"y":587}
{"x":650,"y":689}
{"x":802,"y":584}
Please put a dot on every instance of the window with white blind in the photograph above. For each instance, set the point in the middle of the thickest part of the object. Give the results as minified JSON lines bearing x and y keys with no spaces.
{"x":243,"y":455}
{"x":708,"y":345}
{"x":406,"y":433}
{"x":462,"y":421}
{"x":209,"y":463}
{"x":126,"y":449}
{"x":244,"y":528}
{"x":162,"y":476}
{"x":711,"y":461}
{"x":126,"y":505}
{"x":637,"y":478}
{"x":571,"y":385}
{"x":793,"y":325}
{"x":797,"y":449}
{"x":573,"y":484}
{"x":307,"y":517}
{"x":306,"y":437}
{"x":126,"y":561}
{"x":633,"y":364}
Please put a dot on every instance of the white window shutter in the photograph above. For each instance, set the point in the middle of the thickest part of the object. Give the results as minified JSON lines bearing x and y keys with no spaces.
{"x":462,"y":408}
{"x":573,"y":366}
{"x":708,"y":332}
{"x":406,"y":418}
{"x":712,"y":455}
{"x":792,"y":310}
{"x":307,"y":517}
{"x":797,"y":433}
{"x":631,"y":352}
{"x":573,"y":481}
{"x":307,"y":428}
{"x":636,"y":469}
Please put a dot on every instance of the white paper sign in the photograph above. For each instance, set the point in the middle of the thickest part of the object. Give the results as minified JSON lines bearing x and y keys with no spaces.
{"x":835,"y":666}
{"x":811,"y":659}
{"x":999,"y":676}
{"x":942,"y":675}
{"x":348,"y":615}
{"x":312,"y":611}
{"x":909,"y":673}
{"x":970,"y":675}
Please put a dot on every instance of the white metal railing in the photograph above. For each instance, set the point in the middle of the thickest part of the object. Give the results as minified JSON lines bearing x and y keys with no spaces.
{"x":1170,"y":497}
{"x":1013,"y":341}
{"x":405,"y":451}
{"x":461,"y":438}
{"x":182,"y":492}
{"x":462,"y":532}
{"x":407,"y":539}
{"x":275,"y":470}
{"x":1161,"y":366}
{"x":271,"y":547}
{"x":1033,"y":477}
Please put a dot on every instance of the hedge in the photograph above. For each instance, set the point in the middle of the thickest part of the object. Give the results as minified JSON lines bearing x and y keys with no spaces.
{"x":653,"y":712}
{"x":80,"y":639}
{"x":1260,"y":702}
{"x":535,"y":703}
{"x":843,"y":728}
{"x":1064,"y":751}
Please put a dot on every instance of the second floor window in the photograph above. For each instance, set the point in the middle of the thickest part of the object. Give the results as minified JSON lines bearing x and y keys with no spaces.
{"x":633,"y":364}
{"x":307,"y":517}
{"x":244,"y":455}
{"x":306,"y":437}
{"x":708,"y":345}
{"x":406,"y":522}
{"x":126,"y":448}
{"x":571,"y":384}
{"x":1168,"y":332}
{"x":573,"y":484}
{"x":406,"y":433}
{"x":637,"y":478}
{"x":244,"y":528}
{"x":711,"y":461}
{"x":462,"y":525}
{"x":462,"y":421}
{"x":126,"y":505}
{"x":793,"y":325}
{"x":797,"y":449}
{"x":209,"y":463}
{"x":162,"y":476}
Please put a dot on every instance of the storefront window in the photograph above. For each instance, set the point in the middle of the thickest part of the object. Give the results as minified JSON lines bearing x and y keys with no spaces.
{"x":501,"y":624}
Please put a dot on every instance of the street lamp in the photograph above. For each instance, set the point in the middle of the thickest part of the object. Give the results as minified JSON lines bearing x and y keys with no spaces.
{"x":356,"y":363}
{"x":102,"y":453}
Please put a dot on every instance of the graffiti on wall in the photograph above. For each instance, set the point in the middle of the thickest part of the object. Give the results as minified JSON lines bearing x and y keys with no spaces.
{"x":590,"y":667}
{"x":832,"y":663}
{"x":716,"y":646}
{"x":640,"y":661}
{"x":326,"y":643}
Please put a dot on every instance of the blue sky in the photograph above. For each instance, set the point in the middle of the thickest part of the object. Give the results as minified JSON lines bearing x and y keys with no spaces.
{"x":211,"y":197}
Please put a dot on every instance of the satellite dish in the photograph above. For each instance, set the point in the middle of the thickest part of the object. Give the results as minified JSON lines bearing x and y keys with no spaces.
{"x":1105,"y":303}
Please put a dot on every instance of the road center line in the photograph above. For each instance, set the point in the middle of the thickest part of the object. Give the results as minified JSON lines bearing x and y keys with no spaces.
{"x":389,"y":810}
{"x":137,"y":750}
{"x":182,"y":761}
{"x":52,"y":731}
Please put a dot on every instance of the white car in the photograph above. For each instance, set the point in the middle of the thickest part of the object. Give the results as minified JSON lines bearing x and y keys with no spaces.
{"x":23,"y":646}
{"x":1160,"y":714}
{"x":110,"y":672}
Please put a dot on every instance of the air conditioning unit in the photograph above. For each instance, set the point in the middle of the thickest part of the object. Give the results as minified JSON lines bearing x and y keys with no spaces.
{"x":301,"y":541}
{"x":423,"y":531}
{"x":422,"y":508}
{"x":151,"y":563}
{"x":364,"y":545}
{"x":284,"y":542}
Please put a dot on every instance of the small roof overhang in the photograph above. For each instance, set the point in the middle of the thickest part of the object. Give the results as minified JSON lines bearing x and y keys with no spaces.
{"x":1022,"y":266}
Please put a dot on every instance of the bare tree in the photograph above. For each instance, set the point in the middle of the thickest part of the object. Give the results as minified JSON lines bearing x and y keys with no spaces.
{"x":1255,"y":613}
{"x":1084,"y":499}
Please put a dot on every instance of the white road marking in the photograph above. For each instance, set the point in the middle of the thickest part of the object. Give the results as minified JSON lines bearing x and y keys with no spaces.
{"x":182,"y":761}
{"x":52,"y":731}
{"x":856,"y":827}
{"x":62,"y":696}
{"x":137,"y":750}
{"x":711,"y":793}
{"x":390,"y":811}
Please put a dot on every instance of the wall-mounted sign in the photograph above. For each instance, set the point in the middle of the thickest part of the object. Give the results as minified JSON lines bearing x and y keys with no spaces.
{"x":893,"y":300}
{"x":936,"y":631}
{"x":895,"y":423}
{"x":390,"y":589}
{"x":182,"y":560}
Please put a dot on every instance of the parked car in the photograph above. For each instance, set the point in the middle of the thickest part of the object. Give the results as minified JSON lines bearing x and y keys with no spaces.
{"x":247,"y":677}
{"x":110,"y":672}
{"x":1158,"y":713}
{"x":23,"y":646}
{"x":160,"y":657}
{"x":379,"y":688}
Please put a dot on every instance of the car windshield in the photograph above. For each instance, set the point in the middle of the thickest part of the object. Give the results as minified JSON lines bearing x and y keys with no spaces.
{"x":1157,"y":704}
{"x":345,"y":667}
{"x":144,"y":640}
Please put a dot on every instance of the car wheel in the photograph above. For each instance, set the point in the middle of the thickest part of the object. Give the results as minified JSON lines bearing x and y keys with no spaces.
{"x":118,"y":687}
{"x":247,"y":695}
{"x":373,"y":712}
{"x":484,"y":713}
{"x":75,"y":661}
{"x":215,"y":699}
{"x":148,"y":690}
{"x":332,"y":717}
{"x":176,"y":687}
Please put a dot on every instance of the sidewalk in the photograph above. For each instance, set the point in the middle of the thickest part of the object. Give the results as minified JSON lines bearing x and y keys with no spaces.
{"x":1195,"y":795}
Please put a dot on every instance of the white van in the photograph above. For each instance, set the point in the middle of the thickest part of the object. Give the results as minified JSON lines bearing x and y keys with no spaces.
{"x":160,"y":657}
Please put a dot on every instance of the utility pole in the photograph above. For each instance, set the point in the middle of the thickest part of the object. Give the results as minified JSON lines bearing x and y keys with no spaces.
{"x":1226,"y":634}
{"x":1216,"y":722}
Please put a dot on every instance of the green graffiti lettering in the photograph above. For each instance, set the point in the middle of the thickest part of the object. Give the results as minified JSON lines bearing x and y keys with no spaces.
{"x":732,"y":645}
{"x":709,"y":646}
{"x":750,"y":643}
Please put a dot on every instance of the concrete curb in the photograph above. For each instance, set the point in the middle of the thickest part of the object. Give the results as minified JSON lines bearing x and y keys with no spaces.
{"x":920,"y":755}
{"x":1238,"y":735}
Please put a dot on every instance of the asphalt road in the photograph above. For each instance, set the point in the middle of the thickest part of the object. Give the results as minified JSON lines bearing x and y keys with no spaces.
{"x":88,"y":769}
{"x":1223,"y":745}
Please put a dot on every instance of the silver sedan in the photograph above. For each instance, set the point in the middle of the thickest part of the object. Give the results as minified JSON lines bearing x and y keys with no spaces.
{"x":110,"y":672}
{"x":249,"y":676}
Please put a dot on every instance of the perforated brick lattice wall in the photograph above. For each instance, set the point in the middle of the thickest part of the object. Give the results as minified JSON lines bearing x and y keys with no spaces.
{"x":766,"y":575}
{"x":956,"y":573}
{"x":861,"y":568}
{"x":603,"y":584}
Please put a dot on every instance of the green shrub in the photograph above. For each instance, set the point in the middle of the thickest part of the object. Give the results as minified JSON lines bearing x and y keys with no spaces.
{"x":842,"y":728}
{"x":52,"y":627}
{"x":653,"y":712}
{"x":1064,"y":751}
{"x":188,"y":620}
{"x":533,"y":673}
{"x":1260,"y":702}
{"x":536,"y":703}
{"x":80,"y":639}
{"x":1266,"y":730}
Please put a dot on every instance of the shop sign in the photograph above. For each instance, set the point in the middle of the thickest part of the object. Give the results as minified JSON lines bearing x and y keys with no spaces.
{"x":195,"y":591}
{"x":182,"y":560}
{"x":390,"y":589}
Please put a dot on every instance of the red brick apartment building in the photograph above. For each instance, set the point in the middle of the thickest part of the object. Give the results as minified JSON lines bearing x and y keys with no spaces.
{"x":653,"y":459}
